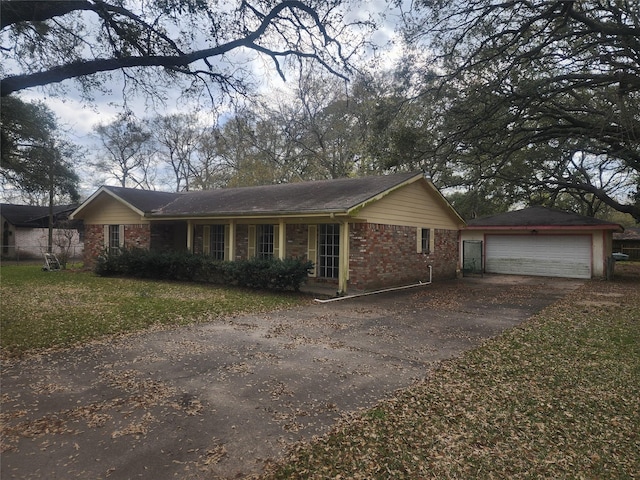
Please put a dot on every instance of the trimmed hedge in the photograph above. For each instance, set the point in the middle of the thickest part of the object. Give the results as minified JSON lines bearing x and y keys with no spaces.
{"x":260,"y":273}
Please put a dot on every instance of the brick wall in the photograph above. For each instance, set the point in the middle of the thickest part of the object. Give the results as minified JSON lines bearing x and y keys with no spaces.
{"x":135,"y":236}
{"x":297,"y":241}
{"x":198,"y":239}
{"x":445,"y":255}
{"x":242,"y":242}
{"x":385,"y":256}
{"x":93,"y":244}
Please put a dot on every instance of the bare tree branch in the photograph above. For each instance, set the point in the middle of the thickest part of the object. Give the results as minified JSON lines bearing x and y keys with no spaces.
{"x":136,"y":43}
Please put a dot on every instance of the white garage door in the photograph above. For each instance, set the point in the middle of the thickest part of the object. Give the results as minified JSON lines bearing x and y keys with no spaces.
{"x":546,"y":255}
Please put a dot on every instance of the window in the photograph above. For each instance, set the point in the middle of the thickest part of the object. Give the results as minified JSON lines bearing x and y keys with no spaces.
{"x":216,"y":242}
{"x":329,"y":245}
{"x":114,"y":239}
{"x":265,"y":240}
{"x":425,"y":243}
{"x":424,"y":238}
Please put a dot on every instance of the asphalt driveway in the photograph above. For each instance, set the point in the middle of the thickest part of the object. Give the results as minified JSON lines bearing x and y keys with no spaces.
{"x":216,"y":400}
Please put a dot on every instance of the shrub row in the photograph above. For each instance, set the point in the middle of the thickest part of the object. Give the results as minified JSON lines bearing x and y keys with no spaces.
{"x":261,"y":273}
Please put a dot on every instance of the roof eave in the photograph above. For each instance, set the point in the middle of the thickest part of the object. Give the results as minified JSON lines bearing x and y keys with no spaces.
{"x":613,"y":227}
{"x":250,"y":215}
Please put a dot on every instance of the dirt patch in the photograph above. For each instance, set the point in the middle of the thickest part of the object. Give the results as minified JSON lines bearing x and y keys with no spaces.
{"x":217,"y":400}
{"x":627,"y":271}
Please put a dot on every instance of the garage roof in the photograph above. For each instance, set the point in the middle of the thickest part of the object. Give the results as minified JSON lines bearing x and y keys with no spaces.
{"x":540,"y":217}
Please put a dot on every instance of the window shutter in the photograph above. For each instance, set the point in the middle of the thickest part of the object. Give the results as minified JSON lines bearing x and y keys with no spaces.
{"x":227,"y":234}
{"x":106,"y":236}
{"x":206,"y":240}
{"x":419,"y":240}
{"x":276,"y":241}
{"x":252,"y":241}
{"x":312,"y":247}
{"x":121,"y":236}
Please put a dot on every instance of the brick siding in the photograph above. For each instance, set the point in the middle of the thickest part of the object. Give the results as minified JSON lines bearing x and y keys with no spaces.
{"x":386,"y":255}
{"x":198,"y":239}
{"x":93,"y":244}
{"x":242,"y":242}
{"x":297,"y":241}
{"x":135,"y":236}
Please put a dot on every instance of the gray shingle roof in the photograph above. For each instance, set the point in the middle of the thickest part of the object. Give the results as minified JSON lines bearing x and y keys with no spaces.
{"x":324,"y":196}
{"x":32,"y":216}
{"x":539,"y":216}
{"x":144,"y":200}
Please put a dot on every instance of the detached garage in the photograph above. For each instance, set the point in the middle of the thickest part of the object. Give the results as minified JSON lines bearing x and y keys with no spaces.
{"x":538,"y":241}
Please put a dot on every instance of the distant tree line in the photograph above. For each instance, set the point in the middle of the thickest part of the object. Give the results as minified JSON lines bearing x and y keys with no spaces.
{"x":502,"y":104}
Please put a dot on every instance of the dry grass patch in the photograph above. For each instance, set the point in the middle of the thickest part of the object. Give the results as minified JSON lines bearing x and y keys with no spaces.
{"x":558,"y":397}
{"x":43,"y":310}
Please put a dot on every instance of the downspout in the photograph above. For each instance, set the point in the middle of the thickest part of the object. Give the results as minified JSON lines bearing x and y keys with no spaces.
{"x":384,"y":290}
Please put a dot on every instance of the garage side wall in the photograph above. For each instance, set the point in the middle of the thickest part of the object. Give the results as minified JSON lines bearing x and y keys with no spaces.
{"x":383,"y":256}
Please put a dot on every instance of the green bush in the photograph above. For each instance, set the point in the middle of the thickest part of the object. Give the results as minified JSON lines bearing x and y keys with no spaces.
{"x":261,"y":273}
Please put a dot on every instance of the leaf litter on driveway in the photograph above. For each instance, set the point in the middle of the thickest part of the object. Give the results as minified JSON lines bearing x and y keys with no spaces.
{"x":219,"y":399}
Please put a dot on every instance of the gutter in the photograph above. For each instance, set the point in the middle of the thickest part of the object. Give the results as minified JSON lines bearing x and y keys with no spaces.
{"x":247,"y":215}
{"x":375,"y":292}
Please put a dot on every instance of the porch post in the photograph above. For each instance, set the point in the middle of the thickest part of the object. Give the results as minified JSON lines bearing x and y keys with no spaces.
{"x":232,"y":240}
{"x":189,"y":236}
{"x":343,"y":272}
{"x":282,"y":239}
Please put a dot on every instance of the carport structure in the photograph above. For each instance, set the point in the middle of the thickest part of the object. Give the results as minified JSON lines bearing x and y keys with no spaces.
{"x":540,"y":241}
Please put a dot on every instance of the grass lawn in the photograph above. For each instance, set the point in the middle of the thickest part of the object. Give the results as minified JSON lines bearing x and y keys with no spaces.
{"x":558,"y":397}
{"x":42,"y":310}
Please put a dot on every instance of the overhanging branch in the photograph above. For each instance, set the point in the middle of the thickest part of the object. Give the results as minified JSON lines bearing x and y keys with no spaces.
{"x":178,"y":61}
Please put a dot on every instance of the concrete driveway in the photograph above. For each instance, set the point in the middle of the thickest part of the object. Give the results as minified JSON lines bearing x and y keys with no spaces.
{"x":216,"y":400}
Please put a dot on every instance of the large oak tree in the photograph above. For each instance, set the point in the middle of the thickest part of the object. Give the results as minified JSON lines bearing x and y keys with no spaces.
{"x":542,"y":94}
{"x":208,"y":43}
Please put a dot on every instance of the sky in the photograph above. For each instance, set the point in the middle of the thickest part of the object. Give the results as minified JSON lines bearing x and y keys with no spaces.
{"x":79,"y":118}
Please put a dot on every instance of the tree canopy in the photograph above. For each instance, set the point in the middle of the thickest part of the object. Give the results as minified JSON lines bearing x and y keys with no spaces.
{"x":35,"y":160}
{"x":545,"y":95}
{"x":45,"y":42}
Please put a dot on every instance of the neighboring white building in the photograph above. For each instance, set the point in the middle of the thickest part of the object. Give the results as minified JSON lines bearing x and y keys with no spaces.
{"x":24,"y":231}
